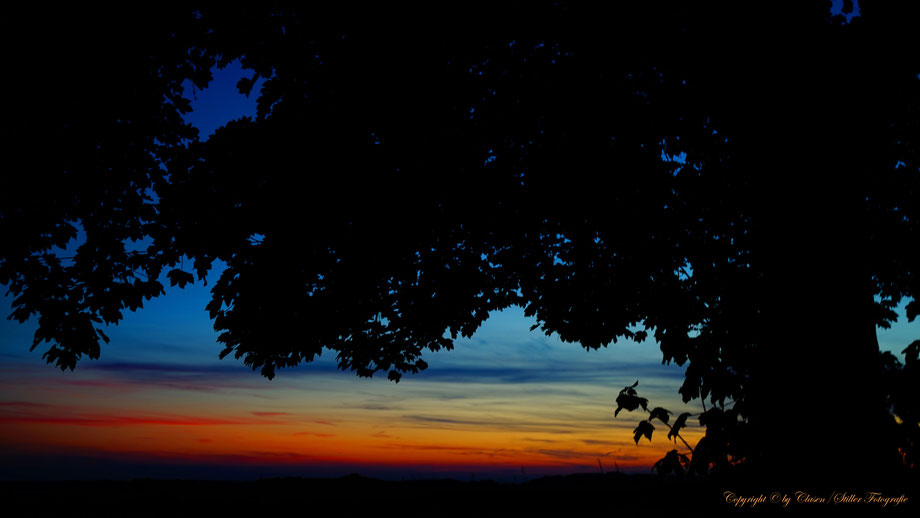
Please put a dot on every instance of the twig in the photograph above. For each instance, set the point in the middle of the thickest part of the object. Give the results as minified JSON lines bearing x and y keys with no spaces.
{"x":677,"y":434}
{"x":685,"y":442}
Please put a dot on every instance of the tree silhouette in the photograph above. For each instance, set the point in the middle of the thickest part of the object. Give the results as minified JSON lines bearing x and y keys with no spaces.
{"x":739,"y":181}
{"x":94,"y":113}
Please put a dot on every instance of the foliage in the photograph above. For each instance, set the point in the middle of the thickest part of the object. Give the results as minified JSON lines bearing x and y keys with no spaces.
{"x":720,"y":448}
{"x":901,"y":386}
{"x":95,"y":118}
{"x":724,"y":443}
{"x":673,"y":462}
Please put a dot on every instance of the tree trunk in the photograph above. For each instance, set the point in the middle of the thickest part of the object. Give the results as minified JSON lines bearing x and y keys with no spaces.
{"x":817,"y":407}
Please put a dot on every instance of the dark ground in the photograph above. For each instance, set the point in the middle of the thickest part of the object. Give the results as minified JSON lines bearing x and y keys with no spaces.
{"x":613,"y":494}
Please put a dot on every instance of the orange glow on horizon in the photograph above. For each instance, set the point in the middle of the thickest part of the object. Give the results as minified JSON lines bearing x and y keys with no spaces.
{"x":278,"y":438}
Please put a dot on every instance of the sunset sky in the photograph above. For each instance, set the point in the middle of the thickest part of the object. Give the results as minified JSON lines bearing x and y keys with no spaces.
{"x":507,"y":403}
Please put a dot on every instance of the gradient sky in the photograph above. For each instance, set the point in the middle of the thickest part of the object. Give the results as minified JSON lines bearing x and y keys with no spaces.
{"x":508,"y":403}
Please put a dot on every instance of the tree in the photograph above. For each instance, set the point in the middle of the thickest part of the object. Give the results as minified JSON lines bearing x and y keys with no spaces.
{"x":739,"y":182}
{"x":94,"y":114}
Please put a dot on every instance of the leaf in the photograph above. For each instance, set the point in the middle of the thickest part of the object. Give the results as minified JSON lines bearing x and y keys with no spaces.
{"x":213,"y":307}
{"x":245,"y":84}
{"x":179,"y":277}
{"x":680,"y":422}
{"x":227,"y":350}
{"x":629,"y":402}
{"x":911,"y":353}
{"x":660,"y":413}
{"x":645,"y":428}
{"x":672,"y":462}
{"x":912,"y":309}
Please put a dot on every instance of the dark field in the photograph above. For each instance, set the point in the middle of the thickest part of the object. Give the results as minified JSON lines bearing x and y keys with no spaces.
{"x":612,"y":494}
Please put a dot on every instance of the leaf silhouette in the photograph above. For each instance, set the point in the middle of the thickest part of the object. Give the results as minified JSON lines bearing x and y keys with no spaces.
{"x":645,"y":428}
{"x":680,"y":422}
{"x":911,"y":352}
{"x":672,"y":462}
{"x":179,"y":277}
{"x":630,"y":402}
{"x":659,"y":413}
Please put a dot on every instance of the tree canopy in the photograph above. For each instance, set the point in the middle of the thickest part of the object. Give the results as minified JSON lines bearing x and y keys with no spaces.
{"x":738,"y":181}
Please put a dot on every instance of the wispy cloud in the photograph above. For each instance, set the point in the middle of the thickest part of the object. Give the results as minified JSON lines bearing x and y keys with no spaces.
{"x":374,"y":406}
{"x":142,"y":375}
{"x":534,"y":439}
{"x":450,"y":423}
{"x":595,"y":442}
{"x":547,"y":373}
{"x":116,"y":420}
{"x":23,"y":404}
{"x":162,"y":367}
{"x":454,"y":449}
{"x":15,"y":412}
{"x":314,"y":434}
{"x":573,"y":454}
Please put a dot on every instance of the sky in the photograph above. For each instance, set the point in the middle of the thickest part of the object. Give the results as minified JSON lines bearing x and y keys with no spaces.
{"x":508,"y":404}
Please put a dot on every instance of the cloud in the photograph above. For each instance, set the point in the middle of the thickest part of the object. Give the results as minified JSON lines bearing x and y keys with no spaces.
{"x":548,"y":372}
{"x":15,"y":412}
{"x":160,"y":367}
{"x":314,"y":434}
{"x":23,"y":404}
{"x":480,"y":424}
{"x":460,"y":450}
{"x":118,"y":420}
{"x":139,"y":375}
{"x":573,"y":454}
{"x":374,"y":406}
